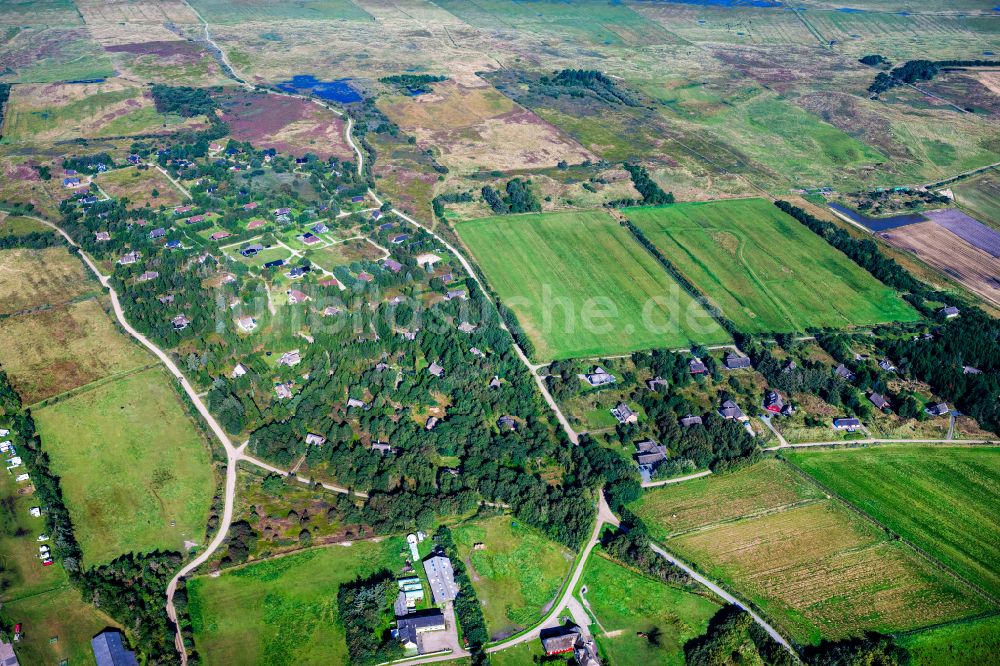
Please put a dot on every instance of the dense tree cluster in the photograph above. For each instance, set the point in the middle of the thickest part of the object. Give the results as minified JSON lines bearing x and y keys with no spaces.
{"x":185,"y":101}
{"x":4,"y":94}
{"x":734,"y":638}
{"x":914,"y":71}
{"x":875,"y":60}
{"x":414,"y":84}
{"x":365,"y":609}
{"x":455,"y":197}
{"x":652,"y":193}
{"x":519,"y":198}
{"x":35,"y":240}
{"x":631,"y":547}
{"x":587,"y":82}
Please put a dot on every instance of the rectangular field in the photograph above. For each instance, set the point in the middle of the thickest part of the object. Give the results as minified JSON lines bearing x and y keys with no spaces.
{"x":31,"y":279}
{"x":627,"y":604}
{"x":980,"y":195}
{"x":580,"y":285}
{"x":974,"y":269}
{"x":141,"y":187}
{"x":765,"y":487}
{"x":764,"y":270}
{"x":517,"y":573}
{"x":822,"y":572}
{"x":135,"y":472}
{"x":264,"y":612}
{"x":944,"y":499}
{"x":56,"y":350}
{"x":962,"y":644}
{"x":242,"y":11}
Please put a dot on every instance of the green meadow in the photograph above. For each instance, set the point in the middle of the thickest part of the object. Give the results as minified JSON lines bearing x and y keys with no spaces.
{"x":945,"y":499}
{"x":516,"y":573}
{"x":224,"y":11}
{"x":581,"y":285}
{"x":969,"y":643}
{"x":764,"y":270}
{"x":283,"y":610}
{"x":627,"y":604}
{"x":135,"y":472}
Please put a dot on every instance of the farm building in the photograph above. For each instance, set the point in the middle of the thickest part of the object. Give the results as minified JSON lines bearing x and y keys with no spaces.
{"x":624,"y":414}
{"x":409,"y":628}
{"x":441,"y":577}
{"x":560,"y":640}
{"x":110,"y":651}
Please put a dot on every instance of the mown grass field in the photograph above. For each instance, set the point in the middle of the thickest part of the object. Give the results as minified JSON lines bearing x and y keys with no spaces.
{"x":31,"y":279}
{"x":626,"y":603}
{"x":516,"y":575}
{"x":944,"y":499}
{"x":62,"y":615}
{"x":580,"y":285}
{"x":284,"y":610}
{"x":138,"y":186}
{"x":16,"y":225}
{"x":135,"y":472}
{"x":766,"y":271}
{"x":822,"y":572}
{"x":50,"y":352}
{"x":961,"y":644}
{"x":980,"y":196}
{"x":765,"y":487}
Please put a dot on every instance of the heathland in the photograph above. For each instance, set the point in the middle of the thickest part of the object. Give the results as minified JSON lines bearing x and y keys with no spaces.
{"x":135,"y":471}
{"x":944,"y":499}
{"x":764,"y":270}
{"x":580,"y":285}
{"x":264,"y":612}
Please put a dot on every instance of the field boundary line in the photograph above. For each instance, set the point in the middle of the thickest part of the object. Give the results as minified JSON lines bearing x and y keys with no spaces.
{"x":962,"y":620}
{"x":90,"y":386}
{"x":750,"y":516}
{"x":895,"y":536}
{"x":24,"y":597}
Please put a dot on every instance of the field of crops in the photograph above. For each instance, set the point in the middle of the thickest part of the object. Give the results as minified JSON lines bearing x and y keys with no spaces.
{"x":822,"y":572}
{"x":516,"y":573}
{"x":582,"y":286}
{"x":129,"y":446}
{"x":944,"y":499}
{"x":764,"y":270}
{"x":265,"y":612}
{"x":641,"y":620}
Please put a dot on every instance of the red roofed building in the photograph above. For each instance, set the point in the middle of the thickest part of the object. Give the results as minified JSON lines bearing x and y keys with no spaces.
{"x":255,"y":224}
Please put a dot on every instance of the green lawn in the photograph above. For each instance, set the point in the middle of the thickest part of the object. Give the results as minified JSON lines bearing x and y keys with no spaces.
{"x":582,"y":286}
{"x":135,"y":472}
{"x":283,"y":610}
{"x":766,"y":271}
{"x":262,"y":257}
{"x":58,"y":626}
{"x":626,"y":603}
{"x":944,"y":499}
{"x":961,"y":644}
{"x":517,"y":574}
{"x":980,"y":196}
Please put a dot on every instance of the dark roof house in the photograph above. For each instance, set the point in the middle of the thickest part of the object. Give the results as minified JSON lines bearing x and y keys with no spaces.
{"x":879,"y":400}
{"x":110,"y":651}
{"x":734,"y":361}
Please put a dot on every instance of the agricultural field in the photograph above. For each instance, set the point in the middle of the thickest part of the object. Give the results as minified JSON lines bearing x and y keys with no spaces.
{"x":263,"y":612}
{"x":474,"y":127}
{"x":945,"y":499}
{"x":31,"y":279}
{"x":969,"y":643}
{"x":222,"y":11}
{"x":287,"y":124}
{"x":980,"y":197}
{"x":627,"y":604}
{"x":40,"y":54}
{"x":142,"y":187}
{"x":943,"y":250}
{"x":764,"y":270}
{"x":55,"y":350}
{"x":129,"y":443}
{"x":822,"y":572}
{"x":580,"y":285}
{"x":764,"y":488}
{"x":516,"y":574}
{"x":54,"y":112}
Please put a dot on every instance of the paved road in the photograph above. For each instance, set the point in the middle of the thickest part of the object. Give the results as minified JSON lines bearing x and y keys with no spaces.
{"x":532,"y":368}
{"x":770,"y":426}
{"x":725,"y":595}
{"x":667,"y":482}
